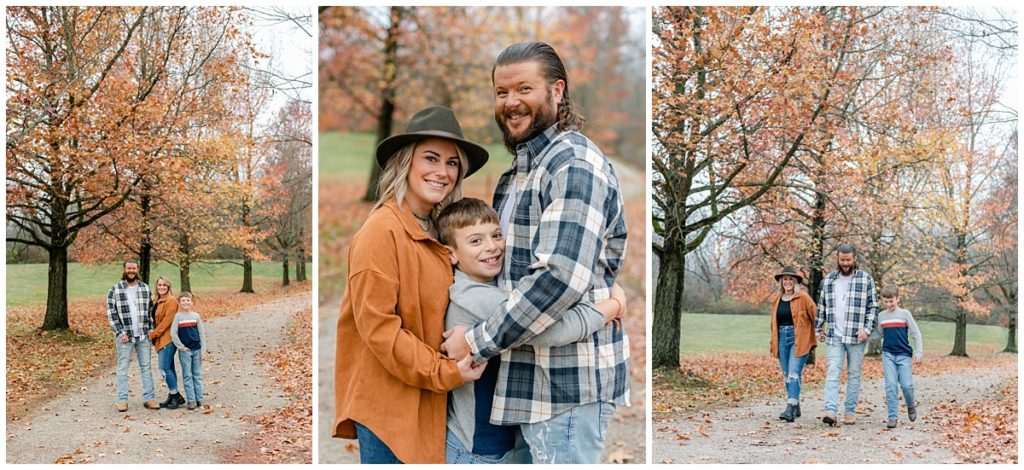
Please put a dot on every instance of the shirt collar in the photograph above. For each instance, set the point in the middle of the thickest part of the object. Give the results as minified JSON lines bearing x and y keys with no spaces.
{"x":533,"y":147}
{"x":407,"y":220}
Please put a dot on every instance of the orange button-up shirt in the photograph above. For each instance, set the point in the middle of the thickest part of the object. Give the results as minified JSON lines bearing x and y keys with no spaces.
{"x":389,"y":374}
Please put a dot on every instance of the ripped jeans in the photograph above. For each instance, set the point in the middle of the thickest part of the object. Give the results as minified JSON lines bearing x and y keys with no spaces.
{"x":574,"y":436}
{"x":792,"y":365}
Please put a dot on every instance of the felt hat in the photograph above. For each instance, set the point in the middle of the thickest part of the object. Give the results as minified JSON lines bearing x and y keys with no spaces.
{"x":790,"y":271}
{"x":433,"y":122}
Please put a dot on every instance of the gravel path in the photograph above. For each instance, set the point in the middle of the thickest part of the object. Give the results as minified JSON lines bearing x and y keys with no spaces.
{"x":625,"y":432}
{"x":85,"y":426}
{"x":752,"y":433}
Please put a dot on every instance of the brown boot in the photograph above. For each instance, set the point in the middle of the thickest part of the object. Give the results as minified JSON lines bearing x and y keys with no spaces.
{"x":122,"y":406}
{"x":152,"y":404}
{"x":850,"y":418}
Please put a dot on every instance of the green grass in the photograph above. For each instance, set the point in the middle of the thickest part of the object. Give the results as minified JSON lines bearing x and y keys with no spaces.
{"x":344,"y":156}
{"x":26,"y":283}
{"x":710,"y":333}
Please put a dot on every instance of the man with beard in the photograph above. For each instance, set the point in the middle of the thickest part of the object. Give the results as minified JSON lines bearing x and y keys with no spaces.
{"x":129,"y":316}
{"x":562,"y":217}
{"x":847,"y":312}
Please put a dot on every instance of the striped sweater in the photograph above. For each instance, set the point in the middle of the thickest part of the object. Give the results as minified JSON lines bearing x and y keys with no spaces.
{"x":187,"y":331}
{"x":895,"y":326}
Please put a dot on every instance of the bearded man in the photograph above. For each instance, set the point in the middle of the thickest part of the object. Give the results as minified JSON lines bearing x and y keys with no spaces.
{"x":128,"y":312}
{"x":847,"y":312}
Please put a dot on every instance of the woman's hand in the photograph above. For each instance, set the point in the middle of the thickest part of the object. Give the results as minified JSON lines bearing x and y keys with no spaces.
{"x":470,"y":371}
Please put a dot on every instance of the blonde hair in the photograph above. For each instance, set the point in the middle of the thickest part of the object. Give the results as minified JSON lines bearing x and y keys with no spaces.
{"x":170,"y":287}
{"x":394,"y":179}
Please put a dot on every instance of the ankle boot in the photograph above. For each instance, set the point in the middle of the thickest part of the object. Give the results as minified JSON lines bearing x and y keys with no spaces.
{"x":796,"y":413}
{"x":788,"y":414}
{"x":170,"y":401}
{"x":180,"y":399}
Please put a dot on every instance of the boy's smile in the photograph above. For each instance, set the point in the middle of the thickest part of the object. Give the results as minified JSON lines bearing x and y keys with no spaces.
{"x":477,"y":250}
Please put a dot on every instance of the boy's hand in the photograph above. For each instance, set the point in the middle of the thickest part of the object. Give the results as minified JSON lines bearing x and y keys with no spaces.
{"x":455,"y":345}
{"x":470,"y":371}
{"x":918,"y":359}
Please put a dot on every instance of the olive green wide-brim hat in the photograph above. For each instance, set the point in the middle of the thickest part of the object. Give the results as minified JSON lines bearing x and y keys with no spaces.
{"x":437,"y":122}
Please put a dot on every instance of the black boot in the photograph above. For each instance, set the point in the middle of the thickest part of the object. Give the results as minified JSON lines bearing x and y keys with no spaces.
{"x":796,"y":413}
{"x":180,"y":399}
{"x":169,"y":401}
{"x":788,"y":414}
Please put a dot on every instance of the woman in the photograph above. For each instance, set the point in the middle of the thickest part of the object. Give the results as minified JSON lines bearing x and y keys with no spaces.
{"x":163,"y":308}
{"x":390,"y":379}
{"x":793,"y":314}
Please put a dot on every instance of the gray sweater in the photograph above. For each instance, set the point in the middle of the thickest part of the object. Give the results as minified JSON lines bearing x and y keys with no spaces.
{"x":471,"y":302}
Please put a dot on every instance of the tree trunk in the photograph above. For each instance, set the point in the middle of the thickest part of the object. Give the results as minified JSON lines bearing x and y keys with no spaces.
{"x":1011,"y":327}
{"x":668,"y":309}
{"x":57,"y":290}
{"x":185,"y":264}
{"x":385,"y":118}
{"x":284,"y":269}
{"x":300,"y":265}
{"x":960,"y":337}
{"x":146,"y":245}
{"x":247,"y":275}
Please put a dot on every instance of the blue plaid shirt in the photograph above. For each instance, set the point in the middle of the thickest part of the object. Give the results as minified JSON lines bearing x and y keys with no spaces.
{"x":861,"y":308}
{"x":565,"y":242}
{"x":119,"y":313}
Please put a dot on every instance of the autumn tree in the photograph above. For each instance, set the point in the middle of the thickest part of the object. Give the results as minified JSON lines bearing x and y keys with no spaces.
{"x":289,"y":169}
{"x":736,"y":91}
{"x":72,"y":154}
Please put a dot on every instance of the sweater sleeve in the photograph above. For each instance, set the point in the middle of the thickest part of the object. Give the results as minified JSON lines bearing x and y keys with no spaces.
{"x":202,"y":331}
{"x":915,"y":333}
{"x":174,"y":333}
{"x":575,"y":325}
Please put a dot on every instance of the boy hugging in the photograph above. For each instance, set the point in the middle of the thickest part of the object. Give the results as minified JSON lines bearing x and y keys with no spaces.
{"x":476,"y":247}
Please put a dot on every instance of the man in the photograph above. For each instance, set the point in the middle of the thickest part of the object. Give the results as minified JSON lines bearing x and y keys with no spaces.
{"x":562,"y":216}
{"x":129,"y":317}
{"x":847,"y":312}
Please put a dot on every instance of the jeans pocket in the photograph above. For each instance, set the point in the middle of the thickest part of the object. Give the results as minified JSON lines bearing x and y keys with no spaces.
{"x":607,"y":410}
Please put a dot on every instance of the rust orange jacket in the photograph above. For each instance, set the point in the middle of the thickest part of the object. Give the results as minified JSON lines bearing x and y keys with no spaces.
{"x":166,"y":307}
{"x":804,"y":311}
{"x":389,"y":374}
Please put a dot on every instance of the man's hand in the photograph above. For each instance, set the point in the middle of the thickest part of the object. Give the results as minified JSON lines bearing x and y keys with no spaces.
{"x":455,"y":345}
{"x":470,"y":371}
{"x":123,"y":339}
{"x":862,"y":336}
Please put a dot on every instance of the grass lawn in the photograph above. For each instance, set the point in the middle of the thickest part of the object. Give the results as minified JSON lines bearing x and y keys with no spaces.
{"x":26,"y":283}
{"x":344,"y":156}
{"x":710,"y":333}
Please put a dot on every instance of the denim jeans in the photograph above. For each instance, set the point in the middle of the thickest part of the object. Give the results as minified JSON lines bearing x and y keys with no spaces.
{"x":897,"y":370}
{"x":792,"y":365}
{"x":165,"y":360}
{"x":191,"y":374}
{"x":372,"y":449}
{"x":142,"y":349}
{"x":575,"y":436}
{"x":456,"y":453}
{"x":854,"y":354}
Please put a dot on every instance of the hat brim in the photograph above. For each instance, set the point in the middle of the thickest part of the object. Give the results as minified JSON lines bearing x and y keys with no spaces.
{"x":476,"y":155}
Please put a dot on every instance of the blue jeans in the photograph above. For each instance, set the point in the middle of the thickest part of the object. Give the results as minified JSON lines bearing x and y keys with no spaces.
{"x":142,"y":349}
{"x":897,"y":370}
{"x":575,"y":436}
{"x":165,"y":360}
{"x":456,"y":453}
{"x":792,"y":365}
{"x":372,"y":449}
{"x":191,"y":374}
{"x":854,"y":354}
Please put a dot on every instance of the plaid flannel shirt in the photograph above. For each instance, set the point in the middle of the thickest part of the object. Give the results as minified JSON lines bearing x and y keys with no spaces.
{"x":119,"y":313}
{"x":861,"y":308}
{"x":565,"y":242}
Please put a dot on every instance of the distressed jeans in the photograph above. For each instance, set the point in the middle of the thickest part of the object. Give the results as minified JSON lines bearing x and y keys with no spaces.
{"x":898,"y":374}
{"x":854,"y":355}
{"x":457,"y":453}
{"x":575,"y":436}
{"x":191,"y":374}
{"x":165,"y":361}
{"x":142,"y":349}
{"x":792,"y":365}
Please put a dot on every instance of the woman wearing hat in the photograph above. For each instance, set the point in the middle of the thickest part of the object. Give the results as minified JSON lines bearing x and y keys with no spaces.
{"x":390,"y":379}
{"x":793,"y":314}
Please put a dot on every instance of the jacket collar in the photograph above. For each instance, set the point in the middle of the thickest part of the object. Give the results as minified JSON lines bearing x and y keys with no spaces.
{"x":408,"y":221}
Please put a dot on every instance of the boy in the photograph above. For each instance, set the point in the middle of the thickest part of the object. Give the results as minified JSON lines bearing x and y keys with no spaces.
{"x":469,"y":229}
{"x":190,"y":338}
{"x":895,"y":323}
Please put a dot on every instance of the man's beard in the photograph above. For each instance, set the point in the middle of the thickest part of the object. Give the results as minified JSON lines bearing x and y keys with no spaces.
{"x":540,"y":120}
{"x":125,"y":276}
{"x":848,"y":270}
